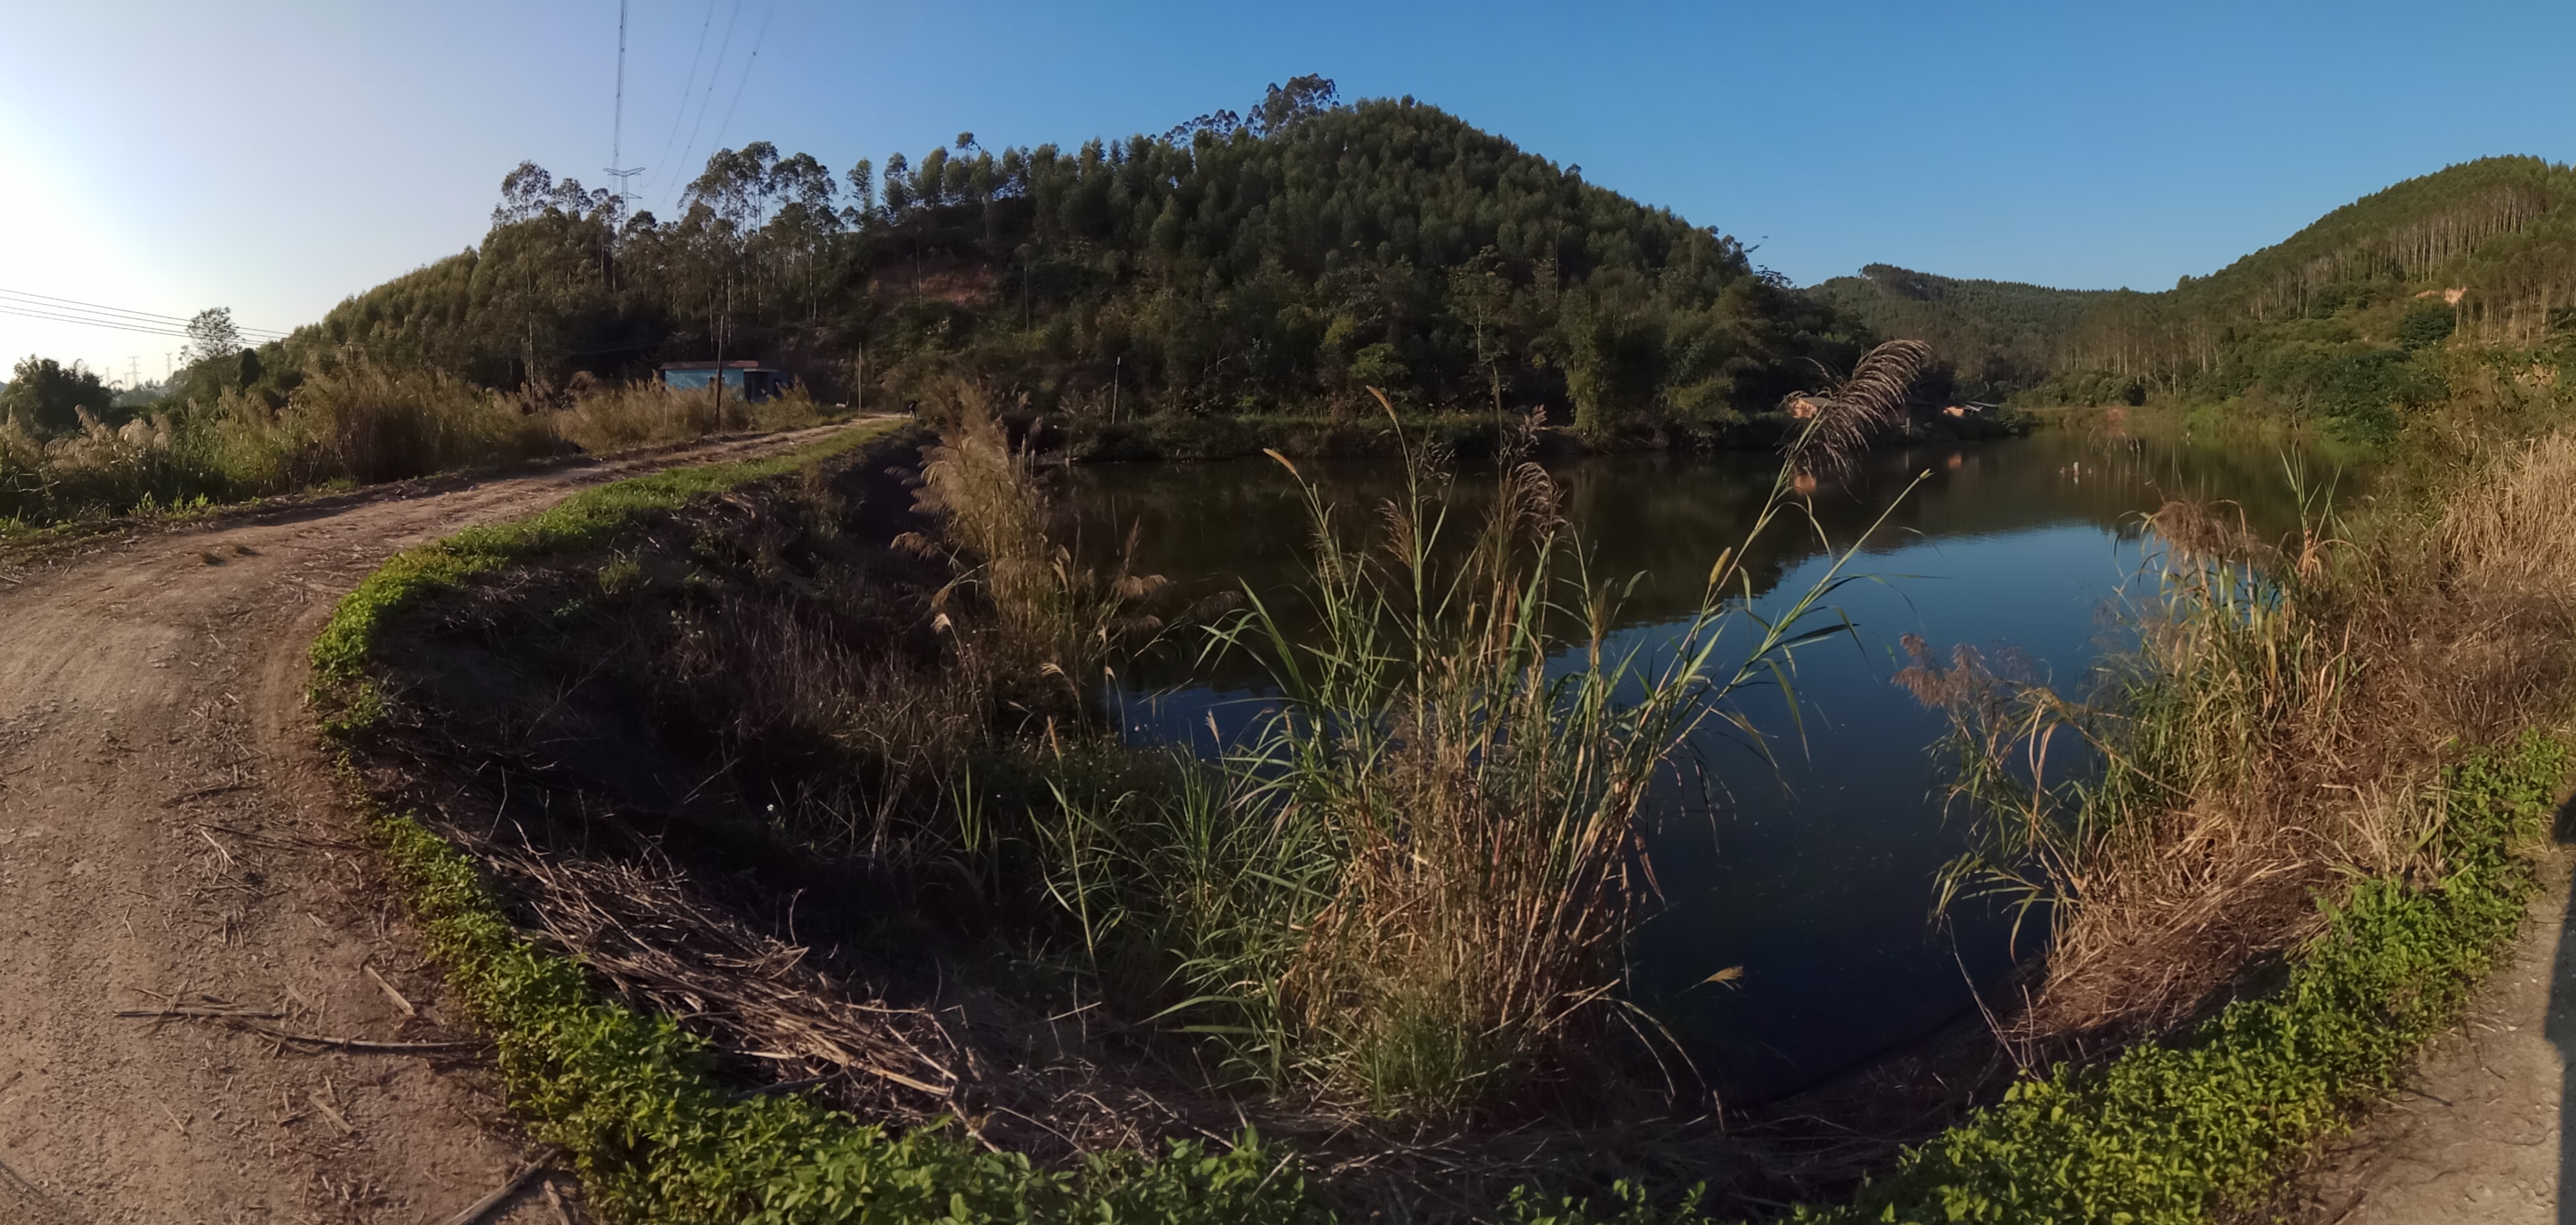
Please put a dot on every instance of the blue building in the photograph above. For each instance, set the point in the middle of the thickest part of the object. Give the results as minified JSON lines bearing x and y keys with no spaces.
{"x":750,"y":381}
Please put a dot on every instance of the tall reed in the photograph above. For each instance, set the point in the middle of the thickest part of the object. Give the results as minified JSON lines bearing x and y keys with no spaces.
{"x":1409,"y":889}
{"x":2273,"y":732}
{"x":618,"y":415}
{"x":1050,"y":615}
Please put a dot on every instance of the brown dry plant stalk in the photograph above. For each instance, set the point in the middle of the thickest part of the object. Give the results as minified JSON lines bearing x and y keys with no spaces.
{"x":1050,"y":615}
{"x":1850,"y":410}
{"x":2275,"y":732}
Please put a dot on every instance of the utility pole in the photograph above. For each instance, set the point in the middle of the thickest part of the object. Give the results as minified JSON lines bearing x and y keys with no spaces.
{"x":723,"y":327}
{"x":1114,"y":366}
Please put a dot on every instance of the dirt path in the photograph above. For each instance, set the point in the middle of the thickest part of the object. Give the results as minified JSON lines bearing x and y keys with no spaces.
{"x":2479,"y":1132}
{"x":168,"y":841}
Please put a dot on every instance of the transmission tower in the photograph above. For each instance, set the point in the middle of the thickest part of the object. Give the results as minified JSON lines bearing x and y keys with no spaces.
{"x":617,"y":124}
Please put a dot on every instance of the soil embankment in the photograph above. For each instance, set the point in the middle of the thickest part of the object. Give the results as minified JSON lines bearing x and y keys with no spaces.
{"x":170,"y":844}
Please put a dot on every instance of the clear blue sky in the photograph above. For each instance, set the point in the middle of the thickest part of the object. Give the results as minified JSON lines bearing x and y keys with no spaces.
{"x":278,"y":156}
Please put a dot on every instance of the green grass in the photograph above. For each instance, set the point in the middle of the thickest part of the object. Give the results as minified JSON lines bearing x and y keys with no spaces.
{"x":585,"y":520}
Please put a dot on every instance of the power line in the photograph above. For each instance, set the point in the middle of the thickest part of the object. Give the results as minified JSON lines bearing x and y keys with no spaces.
{"x":122,"y":313}
{"x":747,"y":69}
{"x":681,"y":113}
{"x":714,"y":71}
{"x":51,"y":303}
{"x":96,"y":323}
{"x":617,"y":125}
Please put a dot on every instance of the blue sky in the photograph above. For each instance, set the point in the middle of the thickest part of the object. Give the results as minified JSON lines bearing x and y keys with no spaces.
{"x":277,"y":156}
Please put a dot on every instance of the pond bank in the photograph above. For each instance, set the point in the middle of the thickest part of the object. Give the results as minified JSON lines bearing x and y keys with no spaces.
{"x":865,"y":1168}
{"x":1466,"y":435}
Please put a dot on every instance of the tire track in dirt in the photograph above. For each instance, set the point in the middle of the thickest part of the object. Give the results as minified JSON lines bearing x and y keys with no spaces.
{"x":169,"y":840}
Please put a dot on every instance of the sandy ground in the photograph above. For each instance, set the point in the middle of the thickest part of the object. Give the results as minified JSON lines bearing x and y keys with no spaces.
{"x":168,"y":841}
{"x":2478,"y":1133}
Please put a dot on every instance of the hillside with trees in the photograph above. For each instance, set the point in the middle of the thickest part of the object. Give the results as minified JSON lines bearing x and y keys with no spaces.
{"x":2458,"y":282}
{"x":1997,"y":337}
{"x":1272,"y":262}
{"x":1279,"y":261}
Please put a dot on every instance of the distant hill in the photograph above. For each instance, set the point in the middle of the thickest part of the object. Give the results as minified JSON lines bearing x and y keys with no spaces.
{"x":1276,"y":261}
{"x":1998,"y":336}
{"x":2343,"y":321}
{"x":1283,"y":260}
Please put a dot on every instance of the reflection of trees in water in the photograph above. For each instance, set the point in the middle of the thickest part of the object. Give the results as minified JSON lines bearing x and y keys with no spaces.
{"x":1212,"y":526}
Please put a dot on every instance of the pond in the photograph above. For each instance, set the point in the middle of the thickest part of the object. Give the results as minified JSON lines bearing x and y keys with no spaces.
{"x":1812,"y":871}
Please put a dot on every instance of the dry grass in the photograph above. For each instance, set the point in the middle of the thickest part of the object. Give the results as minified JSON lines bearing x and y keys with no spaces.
{"x":617,"y":416}
{"x":367,"y":424}
{"x":2276,"y":732}
{"x":2511,"y":528}
{"x":352,"y":423}
{"x":1046,"y":615}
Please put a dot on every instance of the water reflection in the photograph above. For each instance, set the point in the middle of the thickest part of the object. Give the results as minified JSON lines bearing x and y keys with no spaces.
{"x":1813,"y":869}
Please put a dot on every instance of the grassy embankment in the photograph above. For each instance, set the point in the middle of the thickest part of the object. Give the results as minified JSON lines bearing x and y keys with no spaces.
{"x":629,"y":1096}
{"x":2277,"y":769}
{"x":1413,"y":983}
{"x":2165,"y":1132}
{"x":358,"y":426}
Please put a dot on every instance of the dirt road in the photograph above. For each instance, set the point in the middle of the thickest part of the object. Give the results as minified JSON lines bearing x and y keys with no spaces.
{"x":2478,"y":1133}
{"x":168,"y":842}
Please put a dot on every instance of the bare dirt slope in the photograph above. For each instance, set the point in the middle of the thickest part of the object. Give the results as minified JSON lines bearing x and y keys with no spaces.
{"x":168,"y":841}
{"x":2478,"y":1132}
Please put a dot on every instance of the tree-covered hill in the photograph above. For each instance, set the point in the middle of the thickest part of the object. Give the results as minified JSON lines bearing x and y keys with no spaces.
{"x":2390,"y":303}
{"x":1279,"y":261}
{"x":1998,"y":336}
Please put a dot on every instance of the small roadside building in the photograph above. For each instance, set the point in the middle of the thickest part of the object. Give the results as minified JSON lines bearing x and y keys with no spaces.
{"x":753,"y":382}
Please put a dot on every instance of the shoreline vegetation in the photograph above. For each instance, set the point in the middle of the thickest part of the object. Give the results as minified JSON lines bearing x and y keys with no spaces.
{"x":950,"y":766}
{"x":369,"y":426}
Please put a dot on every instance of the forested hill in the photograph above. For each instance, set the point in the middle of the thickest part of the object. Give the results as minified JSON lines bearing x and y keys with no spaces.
{"x":2345,"y":320}
{"x":1999,"y":336}
{"x":1280,"y":260}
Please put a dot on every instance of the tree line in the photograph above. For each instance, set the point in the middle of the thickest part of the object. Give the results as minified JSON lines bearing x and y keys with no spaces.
{"x":2351,"y":322}
{"x":1279,"y":260}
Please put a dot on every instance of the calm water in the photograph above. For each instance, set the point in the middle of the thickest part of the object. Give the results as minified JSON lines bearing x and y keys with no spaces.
{"x":1815,"y":876}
